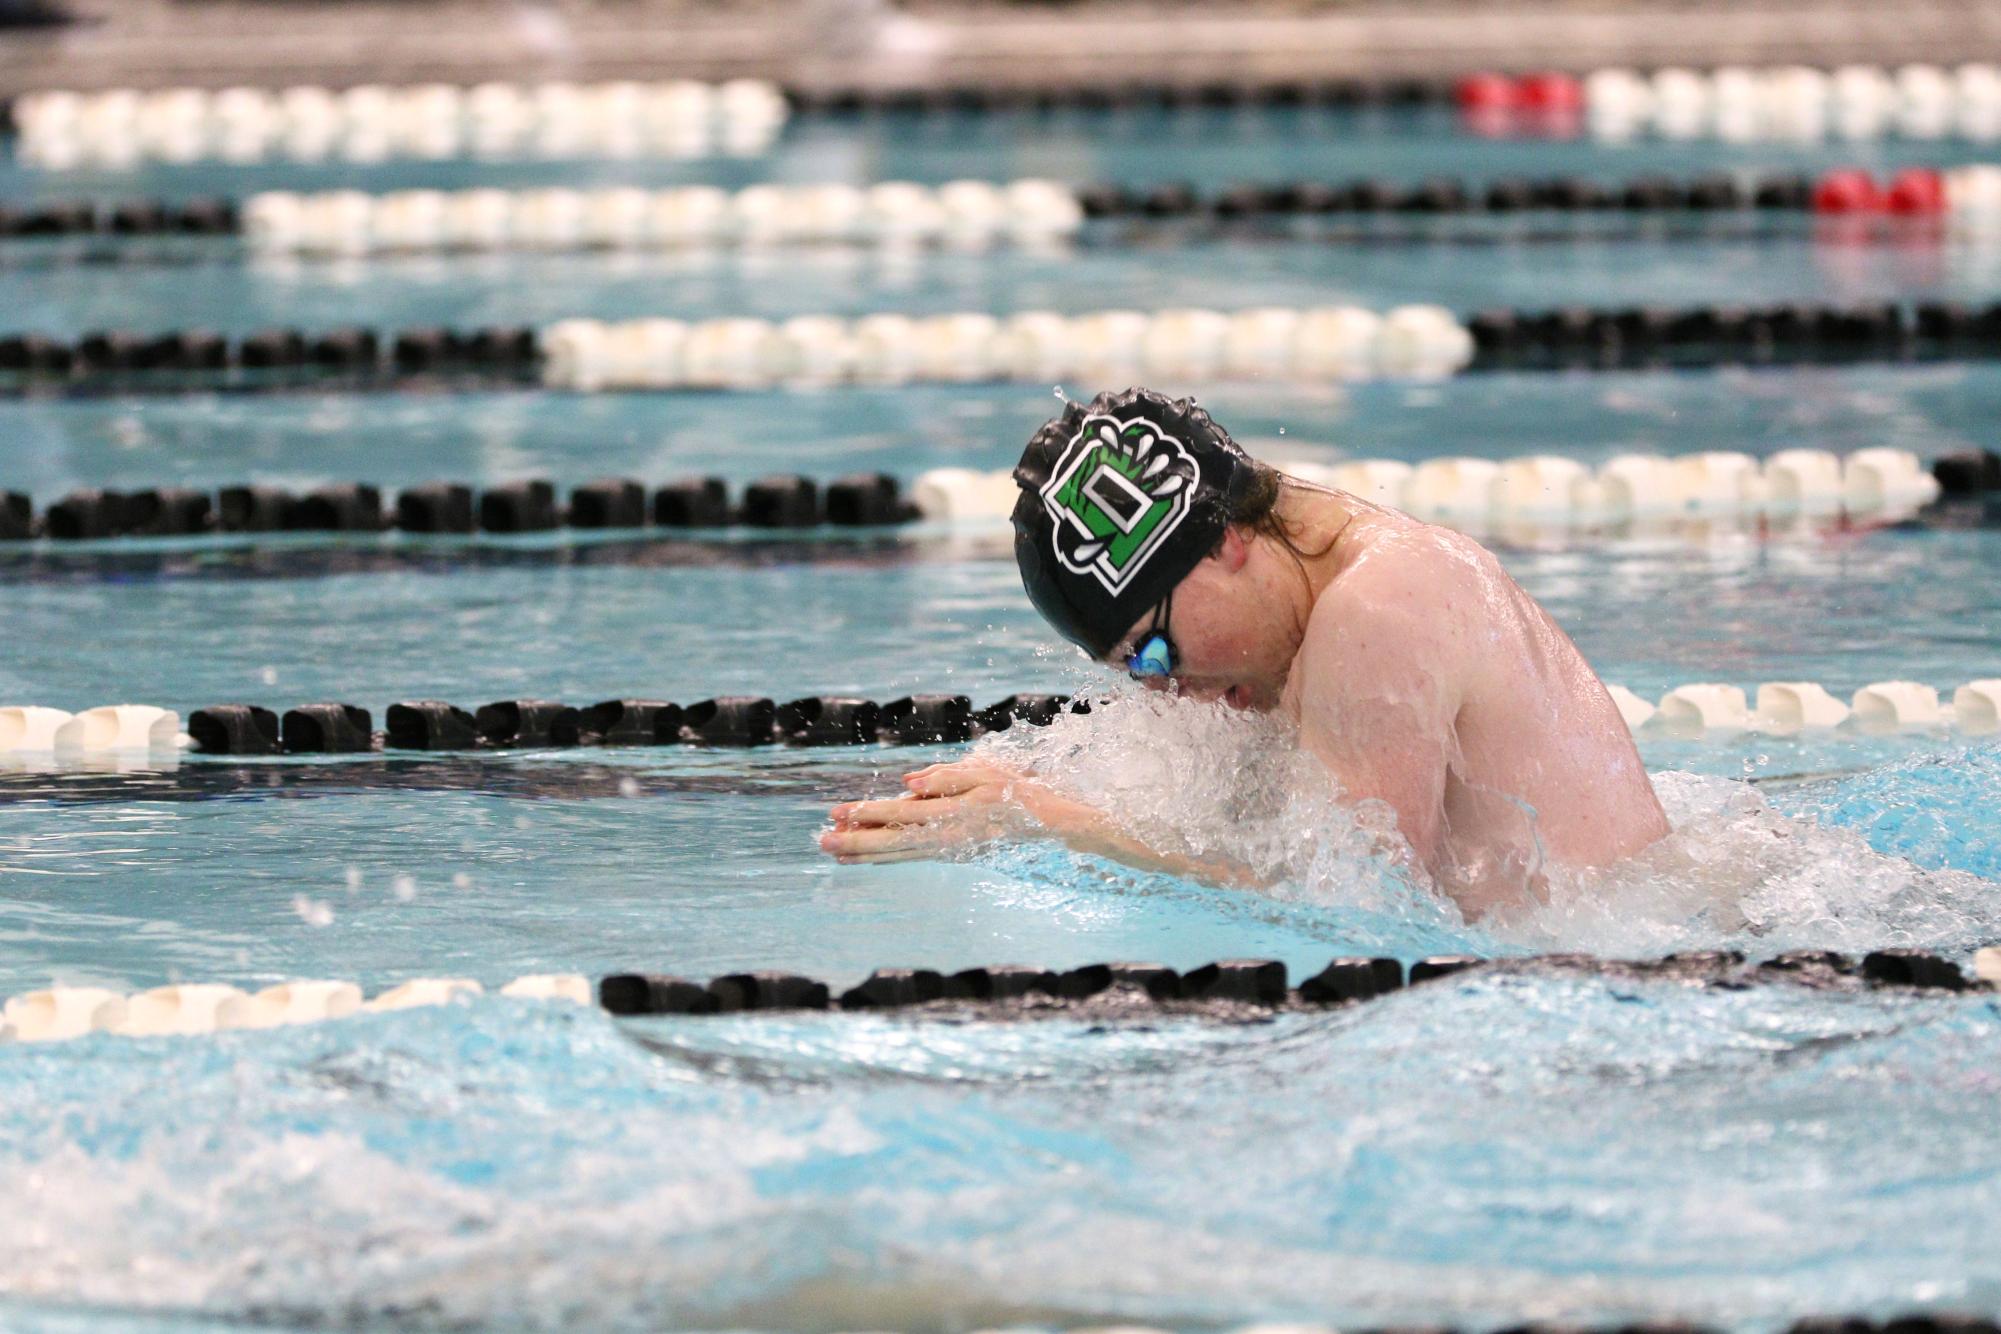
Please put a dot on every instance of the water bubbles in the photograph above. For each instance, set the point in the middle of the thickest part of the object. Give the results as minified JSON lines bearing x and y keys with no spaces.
{"x":353,"y":879}
{"x":460,"y":880}
{"x":628,"y":786}
{"x":404,"y":887}
{"x":268,"y":674}
{"x":313,"y":912}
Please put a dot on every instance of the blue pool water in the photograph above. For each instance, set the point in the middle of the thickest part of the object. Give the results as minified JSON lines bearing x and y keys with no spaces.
{"x":1476,"y":1151}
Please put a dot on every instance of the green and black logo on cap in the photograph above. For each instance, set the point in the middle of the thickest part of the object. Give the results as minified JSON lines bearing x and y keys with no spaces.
{"x":1118,"y":492}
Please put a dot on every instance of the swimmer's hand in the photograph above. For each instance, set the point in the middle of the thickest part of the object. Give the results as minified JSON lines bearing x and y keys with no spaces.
{"x":959,"y":806}
{"x":945,"y":807}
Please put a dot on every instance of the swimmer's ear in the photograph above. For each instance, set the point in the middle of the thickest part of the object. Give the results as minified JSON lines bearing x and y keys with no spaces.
{"x":1232,"y":551}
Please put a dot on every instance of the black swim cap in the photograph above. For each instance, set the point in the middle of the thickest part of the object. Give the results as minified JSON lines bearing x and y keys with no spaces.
{"x":1119,"y":500}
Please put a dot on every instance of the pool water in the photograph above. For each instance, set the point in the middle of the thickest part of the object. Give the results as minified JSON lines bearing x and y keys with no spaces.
{"x":1481,"y":1150}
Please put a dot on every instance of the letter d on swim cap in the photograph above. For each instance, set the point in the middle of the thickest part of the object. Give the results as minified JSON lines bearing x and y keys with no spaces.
{"x":1120,"y":499}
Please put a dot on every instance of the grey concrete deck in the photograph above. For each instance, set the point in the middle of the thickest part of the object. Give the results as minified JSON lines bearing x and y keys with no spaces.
{"x":844,"y":43}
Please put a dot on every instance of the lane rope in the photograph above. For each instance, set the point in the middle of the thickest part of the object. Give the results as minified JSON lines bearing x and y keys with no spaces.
{"x":1223,"y":989}
{"x":123,"y":127}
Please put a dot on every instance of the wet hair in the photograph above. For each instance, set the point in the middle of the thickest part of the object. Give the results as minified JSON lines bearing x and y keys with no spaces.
{"x":1256,"y":511}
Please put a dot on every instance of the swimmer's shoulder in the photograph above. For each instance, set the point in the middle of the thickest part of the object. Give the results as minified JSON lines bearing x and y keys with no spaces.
{"x":1411,"y":597}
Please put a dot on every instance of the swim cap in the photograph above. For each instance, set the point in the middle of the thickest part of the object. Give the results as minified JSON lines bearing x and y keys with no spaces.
{"x":1120,"y":499}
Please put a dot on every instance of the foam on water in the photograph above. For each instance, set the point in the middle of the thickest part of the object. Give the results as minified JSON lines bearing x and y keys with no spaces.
{"x":1458,"y":1153}
{"x":1894,"y":856}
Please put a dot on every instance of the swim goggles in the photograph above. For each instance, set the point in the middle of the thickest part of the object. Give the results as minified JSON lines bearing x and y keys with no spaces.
{"x":1154,"y":654}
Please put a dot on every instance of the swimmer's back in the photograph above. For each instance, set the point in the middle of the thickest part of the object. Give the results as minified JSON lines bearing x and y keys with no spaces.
{"x":1540,"y":769}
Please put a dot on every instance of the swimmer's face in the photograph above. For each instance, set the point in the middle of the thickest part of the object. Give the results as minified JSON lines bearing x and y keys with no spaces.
{"x":1231,"y":641}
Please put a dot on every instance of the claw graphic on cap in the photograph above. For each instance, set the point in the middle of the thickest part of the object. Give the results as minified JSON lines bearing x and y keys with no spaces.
{"x":1116,"y":494}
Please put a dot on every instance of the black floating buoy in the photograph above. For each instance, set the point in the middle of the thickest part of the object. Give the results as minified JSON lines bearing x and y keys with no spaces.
{"x":651,"y":993}
{"x":501,"y":346}
{"x":324,"y":729}
{"x":191,"y":350}
{"x":82,"y":515}
{"x":889,"y":987}
{"x":169,"y":511}
{"x":1173,"y":200}
{"x":137,"y":217}
{"x":1439,"y":195}
{"x":730,"y":720}
{"x":1509,"y":196}
{"x":1802,"y":961}
{"x":822,"y":720}
{"x":205,"y":217}
{"x":695,"y":502}
{"x":629,"y":722}
{"x":781,"y":502}
{"x":867,"y":500}
{"x":1252,"y":981}
{"x":1786,"y":194}
{"x":1497,"y":334}
{"x":1083,"y":982}
{"x":271,"y":349}
{"x":68,"y":217}
{"x":1104,"y":201}
{"x":917,"y":720}
{"x":518,"y":507}
{"x":1351,"y":980}
{"x":1035,"y":710}
{"x":608,"y":502}
{"x":351,"y":507}
{"x":768,"y":991}
{"x":253,"y":509}
{"x":435,"y":507}
{"x":112,"y":350}
{"x":349,"y":349}
{"x":528,"y":722}
{"x":1157,"y":980}
{"x":17,"y":516}
{"x":1715,"y":192}
{"x":1913,"y":968}
{"x":1969,"y":473}
{"x":1441,"y":965}
{"x":1007,"y":981}
{"x":425,"y":349}
{"x":234,"y":729}
{"x":35,"y":354}
{"x":430,"y":724}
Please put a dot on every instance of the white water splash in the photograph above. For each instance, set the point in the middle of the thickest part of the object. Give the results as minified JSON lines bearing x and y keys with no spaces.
{"x":1205,"y":780}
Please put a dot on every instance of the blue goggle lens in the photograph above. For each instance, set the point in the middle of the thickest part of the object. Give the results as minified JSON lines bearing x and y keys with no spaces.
{"x":1153,"y":657}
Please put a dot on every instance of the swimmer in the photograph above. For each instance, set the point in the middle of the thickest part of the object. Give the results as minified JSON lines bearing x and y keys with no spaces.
{"x":1409,"y":662}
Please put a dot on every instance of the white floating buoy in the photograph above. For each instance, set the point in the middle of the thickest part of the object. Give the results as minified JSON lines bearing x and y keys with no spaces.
{"x":974,"y":211}
{"x":646,"y":354}
{"x":687,"y":216}
{"x":959,"y":494}
{"x":551,"y":986}
{"x":1638,"y":486}
{"x":1862,"y":101}
{"x":1378,"y":481}
{"x":1789,"y":706}
{"x":552,"y":219}
{"x":573,"y":354}
{"x":815,"y":349}
{"x":885,"y":349}
{"x":1926,"y":102}
{"x":119,"y":727}
{"x":1635,"y":711}
{"x":1987,"y":965}
{"x":29,"y":727}
{"x":1335,"y":343}
{"x":1039,"y":210}
{"x":1617,"y":102}
{"x":898,"y":211}
{"x":301,"y":1003}
{"x":1184,"y":345}
{"x":1681,"y":103}
{"x":1036,"y":345}
{"x":1110,"y":343}
{"x":423,"y":991}
{"x":64,"y":1012}
{"x":1704,"y":707}
{"x":1259,"y":343}
{"x":829,"y":213}
{"x":274,"y":220}
{"x":1883,"y":478}
{"x":729,"y":354}
{"x":1889,"y":705}
{"x":1976,"y":706}
{"x":1540,"y":487}
{"x":409,"y":220}
{"x":1715,"y":481}
{"x":761,"y":215}
{"x":478,"y":219}
{"x":959,"y":349}
{"x":1803,"y":481}
{"x":1422,"y":341}
{"x":1454,"y":490}
{"x":192,"y":1007}
{"x":616,"y":218}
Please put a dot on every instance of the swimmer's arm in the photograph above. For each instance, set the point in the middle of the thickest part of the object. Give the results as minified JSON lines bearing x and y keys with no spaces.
{"x":1381,"y":681}
{"x":965,"y":803}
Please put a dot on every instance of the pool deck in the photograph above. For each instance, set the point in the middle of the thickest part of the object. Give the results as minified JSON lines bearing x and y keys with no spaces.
{"x":825,"y":44}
